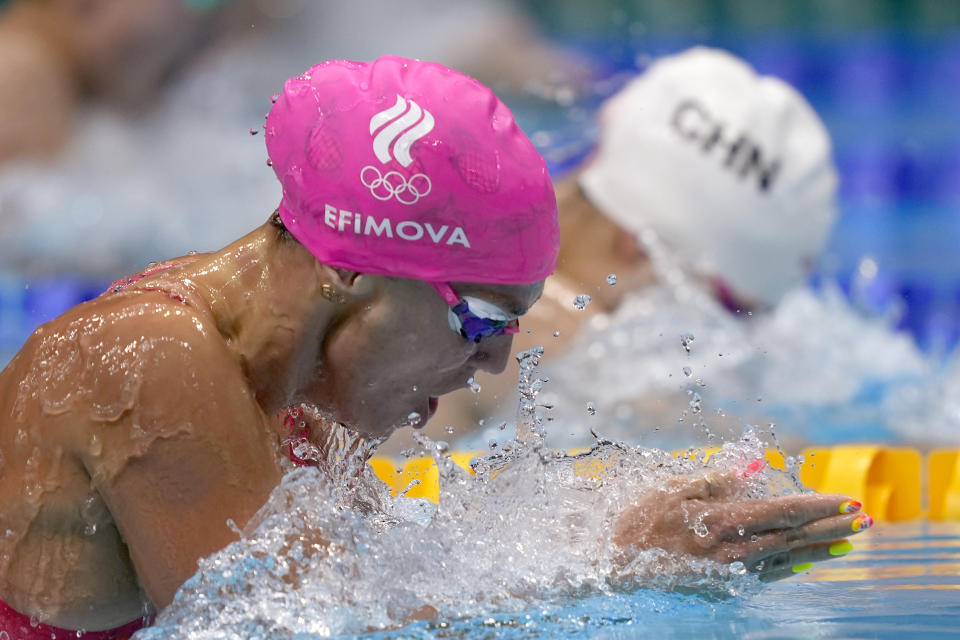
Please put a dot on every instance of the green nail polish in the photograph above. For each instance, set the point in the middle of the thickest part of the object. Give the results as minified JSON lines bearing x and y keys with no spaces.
{"x":840,"y":548}
{"x":800,"y":568}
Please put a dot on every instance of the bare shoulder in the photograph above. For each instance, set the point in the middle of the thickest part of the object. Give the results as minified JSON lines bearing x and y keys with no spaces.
{"x":159,"y":368}
{"x":176,"y":443}
{"x":116,"y":373}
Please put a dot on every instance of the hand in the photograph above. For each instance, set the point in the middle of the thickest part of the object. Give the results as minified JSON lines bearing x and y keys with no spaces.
{"x":707,"y":517}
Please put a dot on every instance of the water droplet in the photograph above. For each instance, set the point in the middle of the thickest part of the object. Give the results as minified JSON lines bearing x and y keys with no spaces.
{"x":96,"y":447}
{"x":92,"y":512}
{"x":413,"y":418}
{"x":254,"y":131}
{"x":581,"y":301}
{"x":492,"y":444}
{"x":695,"y":403}
{"x":441,"y":446}
{"x":591,"y":409}
{"x":449,"y":428}
{"x":741,"y":530}
{"x":415,"y":388}
{"x":233,"y":527}
{"x":687,"y":371}
{"x":34,"y":621}
{"x":274,"y":98}
{"x":556,"y":334}
{"x":473,"y":385}
{"x":685,"y":340}
{"x":269,"y":162}
{"x":502,"y":426}
{"x":612,"y":279}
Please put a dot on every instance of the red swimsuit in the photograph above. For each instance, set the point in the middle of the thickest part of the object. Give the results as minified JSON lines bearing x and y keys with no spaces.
{"x":18,"y":627}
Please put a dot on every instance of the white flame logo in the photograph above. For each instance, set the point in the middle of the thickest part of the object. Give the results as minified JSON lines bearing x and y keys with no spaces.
{"x":399,"y":130}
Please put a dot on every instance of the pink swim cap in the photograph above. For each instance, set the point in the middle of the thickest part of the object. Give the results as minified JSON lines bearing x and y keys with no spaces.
{"x":407,"y":168}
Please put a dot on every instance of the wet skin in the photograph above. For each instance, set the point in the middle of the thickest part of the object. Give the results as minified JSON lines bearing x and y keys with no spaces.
{"x":770,"y":537}
{"x":136,"y":425}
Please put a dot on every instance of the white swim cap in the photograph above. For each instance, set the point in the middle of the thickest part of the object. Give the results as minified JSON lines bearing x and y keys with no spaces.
{"x":732,"y":170}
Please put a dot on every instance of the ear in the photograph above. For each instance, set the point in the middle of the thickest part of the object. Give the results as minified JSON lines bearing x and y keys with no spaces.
{"x":350,"y":284}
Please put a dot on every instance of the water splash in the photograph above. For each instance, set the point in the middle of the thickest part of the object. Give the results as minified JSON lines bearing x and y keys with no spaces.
{"x":333,"y":553}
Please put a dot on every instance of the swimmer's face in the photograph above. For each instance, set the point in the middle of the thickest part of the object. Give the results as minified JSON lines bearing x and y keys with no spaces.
{"x":397,"y":354}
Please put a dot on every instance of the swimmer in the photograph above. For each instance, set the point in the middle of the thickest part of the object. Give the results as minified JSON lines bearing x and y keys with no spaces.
{"x":141,"y":429}
{"x":727,"y":175}
{"x":54,"y":54}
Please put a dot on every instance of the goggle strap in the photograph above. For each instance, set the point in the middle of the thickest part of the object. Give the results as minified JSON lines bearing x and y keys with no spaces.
{"x":446,"y":292}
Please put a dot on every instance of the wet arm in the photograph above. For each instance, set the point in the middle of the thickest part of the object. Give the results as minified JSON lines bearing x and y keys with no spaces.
{"x":202,"y":457}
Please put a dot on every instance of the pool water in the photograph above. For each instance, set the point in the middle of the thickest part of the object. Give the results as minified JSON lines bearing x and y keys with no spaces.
{"x":901,"y":581}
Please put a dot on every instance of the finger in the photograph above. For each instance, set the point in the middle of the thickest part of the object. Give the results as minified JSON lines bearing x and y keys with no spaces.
{"x":774,"y":576}
{"x":786,"y":512}
{"x":802,"y":558}
{"x":800,"y":561}
{"x":714,"y":485}
{"x":823,"y":530}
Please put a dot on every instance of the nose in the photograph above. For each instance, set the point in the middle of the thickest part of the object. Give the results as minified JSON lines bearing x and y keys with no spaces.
{"x":493,"y":353}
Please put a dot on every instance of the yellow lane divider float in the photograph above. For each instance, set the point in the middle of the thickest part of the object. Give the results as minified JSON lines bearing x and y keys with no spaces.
{"x":890,"y":481}
{"x":943,"y":482}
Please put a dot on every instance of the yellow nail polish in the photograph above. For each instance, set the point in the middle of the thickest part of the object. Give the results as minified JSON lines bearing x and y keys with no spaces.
{"x":840,"y":548}
{"x":861,"y":522}
{"x":850,"y":506}
{"x":800,"y":568}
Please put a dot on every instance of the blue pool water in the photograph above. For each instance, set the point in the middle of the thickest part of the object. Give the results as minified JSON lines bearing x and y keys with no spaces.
{"x":902,"y":581}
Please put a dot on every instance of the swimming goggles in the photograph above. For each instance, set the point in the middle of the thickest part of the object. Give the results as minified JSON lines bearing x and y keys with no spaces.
{"x":473,"y":318}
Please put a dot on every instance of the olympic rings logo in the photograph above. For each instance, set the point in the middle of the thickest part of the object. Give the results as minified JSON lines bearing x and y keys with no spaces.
{"x":395,"y":185}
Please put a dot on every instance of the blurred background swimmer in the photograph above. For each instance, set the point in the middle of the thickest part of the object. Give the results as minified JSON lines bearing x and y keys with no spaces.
{"x":679,"y":298}
{"x":56,"y":53}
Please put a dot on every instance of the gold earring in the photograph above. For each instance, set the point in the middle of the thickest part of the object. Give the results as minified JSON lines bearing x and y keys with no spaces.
{"x":331,"y":294}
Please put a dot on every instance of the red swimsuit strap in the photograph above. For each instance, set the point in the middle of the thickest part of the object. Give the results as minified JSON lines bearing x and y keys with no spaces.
{"x":18,"y":627}
{"x":123,"y":283}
